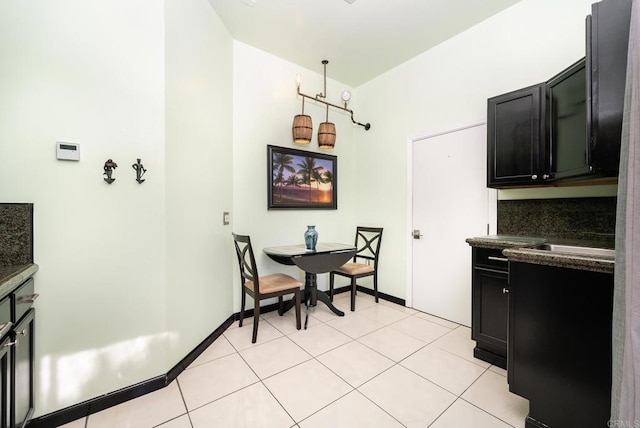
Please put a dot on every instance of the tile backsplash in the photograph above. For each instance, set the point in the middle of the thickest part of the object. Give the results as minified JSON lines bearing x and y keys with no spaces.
{"x":16,"y":234}
{"x":592,"y":219}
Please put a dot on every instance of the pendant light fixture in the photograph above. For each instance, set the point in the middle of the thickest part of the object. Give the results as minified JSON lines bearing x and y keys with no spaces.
{"x":327,"y":134}
{"x":302,"y":128}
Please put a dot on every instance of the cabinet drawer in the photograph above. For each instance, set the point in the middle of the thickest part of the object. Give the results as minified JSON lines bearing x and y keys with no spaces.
{"x":490,"y":258}
{"x":22,"y":300}
{"x":5,"y":316}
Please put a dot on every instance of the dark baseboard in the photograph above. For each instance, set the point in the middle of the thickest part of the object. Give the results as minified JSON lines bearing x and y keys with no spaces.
{"x":248,"y":313}
{"x":94,"y":405}
{"x":365,"y":290}
{"x":191,"y":356}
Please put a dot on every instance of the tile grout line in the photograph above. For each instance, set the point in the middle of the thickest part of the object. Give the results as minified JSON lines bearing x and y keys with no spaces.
{"x":485,"y":411}
{"x":186,"y":408}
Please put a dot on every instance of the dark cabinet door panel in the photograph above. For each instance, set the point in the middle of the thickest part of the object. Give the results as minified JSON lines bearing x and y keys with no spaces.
{"x":607,"y":44}
{"x":515,"y":137}
{"x":23,"y":360}
{"x":560,"y":344}
{"x":490,"y":323}
{"x":569,"y":149}
{"x":5,"y":378}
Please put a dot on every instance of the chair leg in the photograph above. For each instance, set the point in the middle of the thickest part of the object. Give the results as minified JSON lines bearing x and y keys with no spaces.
{"x":353,"y":293}
{"x":331,"y":286}
{"x":244,"y":299}
{"x":256,"y":318}
{"x":297,"y":297}
{"x":375,"y":285}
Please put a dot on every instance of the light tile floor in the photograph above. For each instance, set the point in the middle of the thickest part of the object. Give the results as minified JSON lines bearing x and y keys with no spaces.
{"x":383,"y":365}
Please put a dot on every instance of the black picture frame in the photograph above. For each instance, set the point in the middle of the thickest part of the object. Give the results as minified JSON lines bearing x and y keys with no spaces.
{"x":289,"y":186}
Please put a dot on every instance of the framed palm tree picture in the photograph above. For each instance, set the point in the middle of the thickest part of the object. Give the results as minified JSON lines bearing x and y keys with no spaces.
{"x":299,"y":179}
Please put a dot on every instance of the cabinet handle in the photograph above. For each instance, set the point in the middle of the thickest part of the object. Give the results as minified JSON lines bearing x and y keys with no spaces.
{"x":505,"y":291}
{"x":545,"y":176}
{"x":10,"y":344}
{"x":4,"y":328}
{"x":498,"y":259}
{"x":534,"y":177}
{"x":28,"y":298}
{"x":23,"y":332}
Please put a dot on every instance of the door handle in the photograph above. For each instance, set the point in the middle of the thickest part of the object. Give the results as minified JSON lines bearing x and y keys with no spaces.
{"x":416,"y":234}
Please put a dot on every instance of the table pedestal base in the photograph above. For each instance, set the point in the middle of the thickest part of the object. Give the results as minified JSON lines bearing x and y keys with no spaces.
{"x":312,"y":295}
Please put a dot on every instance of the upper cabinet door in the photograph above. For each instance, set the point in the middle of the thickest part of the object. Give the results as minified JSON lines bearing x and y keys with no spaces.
{"x":515,"y":138}
{"x":607,"y":44}
{"x":569,"y":149}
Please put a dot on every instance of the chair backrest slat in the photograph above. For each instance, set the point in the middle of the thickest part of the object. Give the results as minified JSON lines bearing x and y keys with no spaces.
{"x":246,"y":260}
{"x":367,"y":243}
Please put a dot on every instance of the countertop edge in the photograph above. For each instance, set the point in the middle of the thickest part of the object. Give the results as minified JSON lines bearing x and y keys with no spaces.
{"x":562,"y":260}
{"x":524,"y":251}
{"x":21,"y":275}
{"x":498,"y":244}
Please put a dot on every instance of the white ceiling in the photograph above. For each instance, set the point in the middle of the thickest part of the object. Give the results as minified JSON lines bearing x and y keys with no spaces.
{"x":361,"y":40}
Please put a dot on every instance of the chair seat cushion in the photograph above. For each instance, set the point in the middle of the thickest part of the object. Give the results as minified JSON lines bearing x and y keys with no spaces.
{"x":355,"y":268}
{"x":275,"y":282}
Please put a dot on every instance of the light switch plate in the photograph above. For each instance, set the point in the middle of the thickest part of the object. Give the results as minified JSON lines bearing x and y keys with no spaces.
{"x":225,"y":218}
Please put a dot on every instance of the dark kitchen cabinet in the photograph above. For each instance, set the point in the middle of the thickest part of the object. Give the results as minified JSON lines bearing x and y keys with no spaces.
{"x":17,"y":356}
{"x":5,"y":361}
{"x":489,"y":305}
{"x":516,"y":150}
{"x":5,"y":378}
{"x":560,"y":344}
{"x":566,"y":110}
{"x":607,"y":44}
{"x":23,"y":369}
{"x":570,"y":127}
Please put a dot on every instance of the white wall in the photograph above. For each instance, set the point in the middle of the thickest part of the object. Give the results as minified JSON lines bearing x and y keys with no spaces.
{"x":199,"y":60}
{"x":265,"y":102}
{"x":119,"y":263}
{"x":447,"y":87}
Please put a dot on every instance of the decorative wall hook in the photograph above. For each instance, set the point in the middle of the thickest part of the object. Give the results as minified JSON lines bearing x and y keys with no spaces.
{"x":140,"y":170}
{"x":109,"y":166}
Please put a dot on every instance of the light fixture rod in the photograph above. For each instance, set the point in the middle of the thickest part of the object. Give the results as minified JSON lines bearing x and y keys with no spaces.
{"x":366,"y":126}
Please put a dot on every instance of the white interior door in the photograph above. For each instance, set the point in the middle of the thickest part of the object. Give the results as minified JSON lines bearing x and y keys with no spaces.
{"x":450,"y":203}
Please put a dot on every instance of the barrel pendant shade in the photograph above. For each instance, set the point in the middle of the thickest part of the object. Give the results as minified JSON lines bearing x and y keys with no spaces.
{"x":327,"y":135}
{"x":302,"y":129}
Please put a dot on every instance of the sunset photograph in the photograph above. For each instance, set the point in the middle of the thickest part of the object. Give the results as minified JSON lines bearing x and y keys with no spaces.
{"x":301,"y":179}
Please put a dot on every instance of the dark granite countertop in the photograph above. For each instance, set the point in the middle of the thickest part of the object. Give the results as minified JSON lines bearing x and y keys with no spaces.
{"x":500,"y":242}
{"x":592,"y":263}
{"x":13,"y":275}
{"x":523,"y":249}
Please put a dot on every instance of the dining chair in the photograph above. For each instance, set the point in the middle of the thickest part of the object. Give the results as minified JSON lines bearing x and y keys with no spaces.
{"x":368,"y":241}
{"x":262,"y":287}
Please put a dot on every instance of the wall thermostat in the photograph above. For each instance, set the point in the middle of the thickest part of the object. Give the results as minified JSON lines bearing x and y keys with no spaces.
{"x":68,"y":151}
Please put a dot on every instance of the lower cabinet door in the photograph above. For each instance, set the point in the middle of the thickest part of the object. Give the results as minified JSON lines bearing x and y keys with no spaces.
{"x":23,"y":364}
{"x":490,"y":305}
{"x":5,"y":377}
